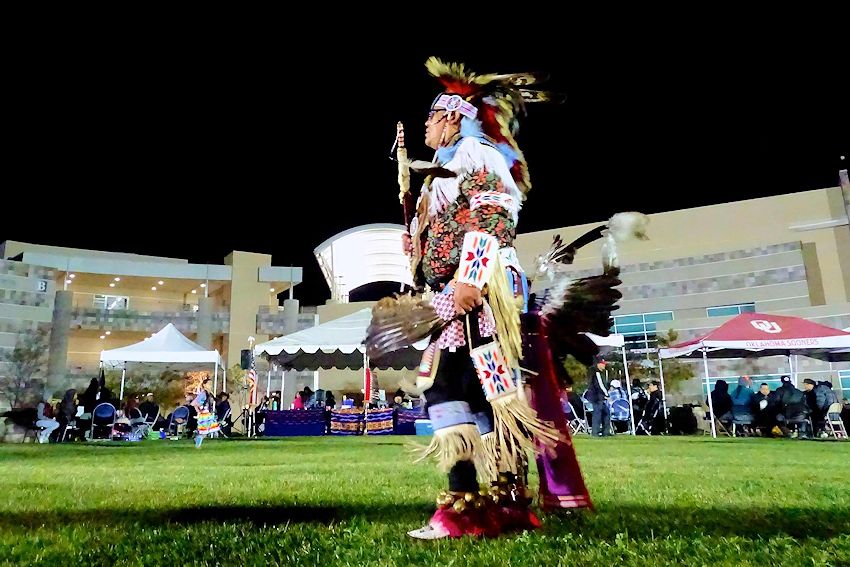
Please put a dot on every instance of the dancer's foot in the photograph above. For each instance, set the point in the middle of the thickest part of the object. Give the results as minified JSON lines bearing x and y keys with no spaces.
{"x":429,"y":532}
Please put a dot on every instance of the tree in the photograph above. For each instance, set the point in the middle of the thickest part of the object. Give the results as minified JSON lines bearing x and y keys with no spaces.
{"x":577,"y":372}
{"x":675,"y":371}
{"x":25,"y":364}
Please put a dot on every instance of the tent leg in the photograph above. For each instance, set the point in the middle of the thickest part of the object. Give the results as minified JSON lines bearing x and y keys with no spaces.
{"x":224,"y":373}
{"x":663,"y":391}
{"x":708,"y":389}
{"x":123,"y":373}
{"x":365,"y":395}
{"x":215,"y":380}
{"x":269,"y":386}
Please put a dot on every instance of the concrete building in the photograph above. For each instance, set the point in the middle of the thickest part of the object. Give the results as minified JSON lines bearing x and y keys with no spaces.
{"x":786,"y":255}
{"x":94,"y":301}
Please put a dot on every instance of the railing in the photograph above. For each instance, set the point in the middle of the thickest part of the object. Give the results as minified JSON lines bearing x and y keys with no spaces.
{"x":274,"y":323}
{"x":143,"y":321}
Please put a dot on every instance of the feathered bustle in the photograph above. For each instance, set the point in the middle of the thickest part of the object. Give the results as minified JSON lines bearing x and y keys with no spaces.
{"x":398,"y":322}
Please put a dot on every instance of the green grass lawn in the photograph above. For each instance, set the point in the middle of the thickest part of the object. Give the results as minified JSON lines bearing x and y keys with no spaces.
{"x":349,"y":501}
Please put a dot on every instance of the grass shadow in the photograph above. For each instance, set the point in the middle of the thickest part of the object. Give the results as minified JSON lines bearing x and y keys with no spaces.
{"x":611,"y":520}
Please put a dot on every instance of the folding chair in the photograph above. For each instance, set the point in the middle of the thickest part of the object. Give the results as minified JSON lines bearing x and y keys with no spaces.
{"x":834,"y":424}
{"x":721,"y":428}
{"x":577,"y":424}
{"x":704,"y":424}
{"x":152,"y":421}
{"x":103,"y":416}
{"x":34,"y":430}
{"x":646,"y":422}
{"x":224,"y":419}
{"x":70,"y":426}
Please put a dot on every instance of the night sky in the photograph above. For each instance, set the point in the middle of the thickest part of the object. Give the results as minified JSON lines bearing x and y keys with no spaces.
{"x":194,"y":151}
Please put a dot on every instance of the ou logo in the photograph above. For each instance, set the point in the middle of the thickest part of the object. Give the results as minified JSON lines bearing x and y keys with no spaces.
{"x":766,"y":326}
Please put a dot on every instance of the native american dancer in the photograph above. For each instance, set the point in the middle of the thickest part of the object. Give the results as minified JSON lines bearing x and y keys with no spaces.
{"x":461,"y":248}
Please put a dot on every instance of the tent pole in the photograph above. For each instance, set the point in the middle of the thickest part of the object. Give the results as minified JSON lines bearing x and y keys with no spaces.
{"x":224,"y":372}
{"x":629,"y":390}
{"x":708,"y":389}
{"x":791,"y":370}
{"x":315,"y":380}
{"x":366,"y":387}
{"x":123,"y":373}
{"x":663,"y":390}
{"x":215,"y":379}
{"x":282,"y":383}
{"x":796,"y":370}
{"x":269,"y":386}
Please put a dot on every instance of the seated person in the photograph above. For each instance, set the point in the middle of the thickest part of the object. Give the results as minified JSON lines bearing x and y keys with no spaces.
{"x":742,"y":404}
{"x":575,"y":402}
{"x":44,"y":420}
{"x":721,"y":402}
{"x":222,"y":412}
{"x":792,"y":409}
{"x":653,"y":421}
{"x":821,"y":398}
{"x":618,"y":406}
{"x":764,"y":410}
{"x":639,"y":399}
{"x":132,"y":412}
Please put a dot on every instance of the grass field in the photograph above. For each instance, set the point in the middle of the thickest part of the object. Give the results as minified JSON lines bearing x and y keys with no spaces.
{"x":349,"y":501}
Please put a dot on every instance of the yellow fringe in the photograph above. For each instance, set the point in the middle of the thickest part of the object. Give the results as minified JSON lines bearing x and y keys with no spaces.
{"x":459,"y":443}
{"x":506,"y":311}
{"x":490,"y":446}
{"x":519,"y":430}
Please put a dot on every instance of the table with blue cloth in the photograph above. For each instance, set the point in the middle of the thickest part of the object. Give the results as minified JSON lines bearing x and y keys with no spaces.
{"x":293,"y":423}
{"x":406,"y":420}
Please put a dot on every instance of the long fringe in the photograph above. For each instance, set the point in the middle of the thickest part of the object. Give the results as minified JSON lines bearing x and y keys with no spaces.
{"x":519,"y":430}
{"x":490,"y":446}
{"x":506,"y":311}
{"x":458,"y":443}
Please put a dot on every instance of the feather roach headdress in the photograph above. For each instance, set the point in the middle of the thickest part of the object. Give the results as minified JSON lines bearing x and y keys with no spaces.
{"x":491,"y":103}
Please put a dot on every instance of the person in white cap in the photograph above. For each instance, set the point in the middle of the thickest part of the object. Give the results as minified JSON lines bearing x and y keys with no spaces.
{"x":618,"y":404}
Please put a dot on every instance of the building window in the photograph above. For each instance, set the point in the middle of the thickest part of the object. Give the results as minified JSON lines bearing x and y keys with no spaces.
{"x":639,"y":329}
{"x":111,"y":302}
{"x":844,"y":381}
{"x":727,"y":310}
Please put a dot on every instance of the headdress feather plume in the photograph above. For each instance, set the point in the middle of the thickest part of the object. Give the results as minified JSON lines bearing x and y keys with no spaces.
{"x":500,"y":99}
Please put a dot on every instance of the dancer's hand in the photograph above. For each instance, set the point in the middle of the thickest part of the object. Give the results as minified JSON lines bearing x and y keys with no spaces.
{"x":467,"y":297}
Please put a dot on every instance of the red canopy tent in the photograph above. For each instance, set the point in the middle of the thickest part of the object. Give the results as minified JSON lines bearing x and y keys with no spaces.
{"x":760,"y":334}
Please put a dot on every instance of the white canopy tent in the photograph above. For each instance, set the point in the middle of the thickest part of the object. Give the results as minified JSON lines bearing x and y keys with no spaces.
{"x":168,"y":345}
{"x":619,"y":341}
{"x":336,"y":344}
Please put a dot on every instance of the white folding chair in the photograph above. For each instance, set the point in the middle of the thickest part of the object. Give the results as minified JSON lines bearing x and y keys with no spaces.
{"x":577,"y":424}
{"x":834,"y":424}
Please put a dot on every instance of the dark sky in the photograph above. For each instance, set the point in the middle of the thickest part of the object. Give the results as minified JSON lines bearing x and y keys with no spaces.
{"x":192,"y":151}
